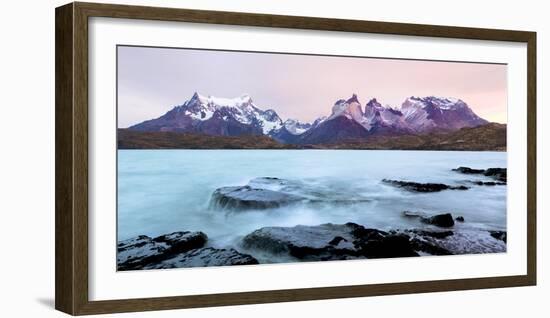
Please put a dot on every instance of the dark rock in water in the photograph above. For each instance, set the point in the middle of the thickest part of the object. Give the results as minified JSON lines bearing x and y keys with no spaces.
{"x":329,"y":242}
{"x":499,"y":235}
{"x":248,"y":198}
{"x":430,"y":247}
{"x":459,"y":218}
{"x":387,"y":247}
{"x":459,"y":188}
{"x":441,"y":220}
{"x":270,"y":192}
{"x":353,"y":241}
{"x":488,"y":183}
{"x":499,"y":174}
{"x":179,"y":242}
{"x":135,"y":253}
{"x":465,"y":241}
{"x":435,"y":234}
{"x":336,"y":240}
{"x":322,"y":242}
{"x":423,"y":187}
{"x":207,"y":256}
{"x":468,"y":170}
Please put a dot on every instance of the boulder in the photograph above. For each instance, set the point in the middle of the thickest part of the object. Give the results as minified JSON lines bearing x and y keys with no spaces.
{"x":270,"y":192}
{"x":441,"y":220}
{"x":499,"y":235}
{"x":248,"y":198}
{"x":423,"y":187}
{"x":488,"y":183}
{"x":434,"y":234}
{"x":322,"y":242}
{"x":459,"y":219}
{"x":179,"y":242}
{"x":203,"y":257}
{"x":352,"y":241}
{"x":465,"y":241}
{"x":388,"y":246}
{"x":137,"y":252}
{"x":329,"y":242}
{"x":497,"y":173}
{"x":500,"y":174}
{"x":468,"y":170}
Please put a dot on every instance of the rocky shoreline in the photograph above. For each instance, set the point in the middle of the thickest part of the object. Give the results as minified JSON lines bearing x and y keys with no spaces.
{"x":435,"y":233}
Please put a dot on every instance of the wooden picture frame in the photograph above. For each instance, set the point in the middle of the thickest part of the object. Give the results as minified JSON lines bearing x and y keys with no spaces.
{"x":71,"y":90}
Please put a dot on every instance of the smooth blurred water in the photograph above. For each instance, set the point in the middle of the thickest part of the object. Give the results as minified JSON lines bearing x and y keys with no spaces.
{"x":162,"y":191}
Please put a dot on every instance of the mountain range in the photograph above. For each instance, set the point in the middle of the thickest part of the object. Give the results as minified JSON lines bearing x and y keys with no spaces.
{"x":348,"y":120}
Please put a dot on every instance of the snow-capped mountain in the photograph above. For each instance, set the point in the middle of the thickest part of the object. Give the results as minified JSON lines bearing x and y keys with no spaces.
{"x":216,"y":116}
{"x":348,"y":119}
{"x":292,"y":130}
{"x":380,"y":119}
{"x":416,"y":115}
{"x":350,"y":108}
{"x":428,"y":113}
{"x":296,"y":127}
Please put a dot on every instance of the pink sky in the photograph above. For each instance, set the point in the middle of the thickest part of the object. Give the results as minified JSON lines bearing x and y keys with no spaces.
{"x":152,"y":81}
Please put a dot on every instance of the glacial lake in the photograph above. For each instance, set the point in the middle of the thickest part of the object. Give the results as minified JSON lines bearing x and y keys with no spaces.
{"x":163,"y":191}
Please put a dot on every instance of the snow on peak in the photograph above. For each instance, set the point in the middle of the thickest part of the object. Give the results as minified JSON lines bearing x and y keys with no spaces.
{"x":296,"y":127}
{"x":223,"y":102}
{"x":444,"y":103}
{"x":241,"y":109}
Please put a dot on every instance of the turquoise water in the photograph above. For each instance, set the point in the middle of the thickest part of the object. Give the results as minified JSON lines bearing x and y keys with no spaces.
{"x":161,"y":191}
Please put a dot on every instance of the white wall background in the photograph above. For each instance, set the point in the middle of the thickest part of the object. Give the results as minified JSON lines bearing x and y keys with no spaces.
{"x":27,"y":158}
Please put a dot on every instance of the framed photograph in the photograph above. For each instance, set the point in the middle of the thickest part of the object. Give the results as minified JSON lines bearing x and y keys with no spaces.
{"x":211,"y":158}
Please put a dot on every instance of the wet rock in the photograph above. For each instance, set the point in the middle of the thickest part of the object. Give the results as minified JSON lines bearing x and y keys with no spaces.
{"x":329,"y":242}
{"x":336,"y":240}
{"x":137,"y":252}
{"x":388,"y":246}
{"x":134,"y":253}
{"x":499,"y":235}
{"x":466,"y":241}
{"x":459,"y":219}
{"x":441,"y":220}
{"x":179,"y":242}
{"x":497,"y":173}
{"x":429,"y":247}
{"x":248,"y":198}
{"x":488,"y":183}
{"x":203,"y":257}
{"x":353,"y":241}
{"x":500,"y":174}
{"x":423,"y":187}
{"x":468,"y":170}
{"x":270,"y":192}
{"x":435,"y":234}
{"x":322,"y":242}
